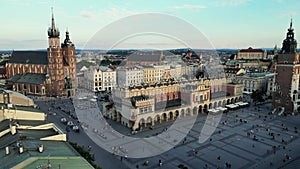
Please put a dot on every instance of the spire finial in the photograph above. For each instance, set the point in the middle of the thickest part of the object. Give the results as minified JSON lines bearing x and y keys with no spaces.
{"x":67,"y":34}
{"x":291,"y":24}
{"x":53,"y":23}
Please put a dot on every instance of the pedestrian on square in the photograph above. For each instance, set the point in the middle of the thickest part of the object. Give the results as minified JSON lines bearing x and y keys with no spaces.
{"x":146,"y":163}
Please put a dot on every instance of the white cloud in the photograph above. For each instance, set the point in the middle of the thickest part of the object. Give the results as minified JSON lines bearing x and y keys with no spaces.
{"x":86,"y":14}
{"x":287,"y":14}
{"x":109,"y":14}
{"x":45,"y":3}
{"x":19,"y":3}
{"x":188,"y":6}
{"x":115,"y":13}
{"x":231,"y":3}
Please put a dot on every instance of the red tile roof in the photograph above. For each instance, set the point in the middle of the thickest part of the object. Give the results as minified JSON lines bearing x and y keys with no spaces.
{"x":251,"y":50}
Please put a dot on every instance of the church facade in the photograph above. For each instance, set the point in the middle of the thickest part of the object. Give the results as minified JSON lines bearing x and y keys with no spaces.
{"x":44,"y":73}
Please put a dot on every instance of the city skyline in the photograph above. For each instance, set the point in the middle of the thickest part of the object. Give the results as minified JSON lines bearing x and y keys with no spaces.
{"x":226,"y":23}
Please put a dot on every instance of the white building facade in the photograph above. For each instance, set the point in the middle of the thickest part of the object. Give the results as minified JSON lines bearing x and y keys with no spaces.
{"x":127,"y":76}
{"x":99,"y":78}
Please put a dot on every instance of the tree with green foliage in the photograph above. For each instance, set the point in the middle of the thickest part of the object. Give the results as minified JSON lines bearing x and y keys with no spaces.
{"x":181,"y":166}
{"x":85,"y":63}
{"x":105,"y":62}
{"x":85,"y":154}
{"x":117,"y":62}
{"x":257,"y":96}
{"x":3,"y":62}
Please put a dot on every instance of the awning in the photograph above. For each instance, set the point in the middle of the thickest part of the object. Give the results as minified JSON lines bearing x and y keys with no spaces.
{"x":241,"y":103}
{"x":213,"y":110}
{"x":221,"y":108}
{"x":232,"y":106}
{"x":245,"y":92}
{"x":93,"y":100}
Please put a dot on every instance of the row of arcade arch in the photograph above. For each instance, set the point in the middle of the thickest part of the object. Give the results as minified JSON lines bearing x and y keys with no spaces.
{"x":172,"y":114}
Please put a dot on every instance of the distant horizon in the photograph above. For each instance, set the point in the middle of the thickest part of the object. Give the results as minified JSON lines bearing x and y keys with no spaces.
{"x":267,"y":48}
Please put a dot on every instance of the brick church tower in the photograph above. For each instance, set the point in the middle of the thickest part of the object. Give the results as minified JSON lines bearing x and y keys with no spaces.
{"x":69,"y":58}
{"x":61,"y":77}
{"x":287,"y":72}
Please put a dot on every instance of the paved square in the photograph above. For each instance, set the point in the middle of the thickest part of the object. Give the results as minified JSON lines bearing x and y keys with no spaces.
{"x":232,"y":140}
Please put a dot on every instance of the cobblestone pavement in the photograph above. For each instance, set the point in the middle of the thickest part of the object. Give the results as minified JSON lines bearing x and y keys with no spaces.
{"x":245,"y":138}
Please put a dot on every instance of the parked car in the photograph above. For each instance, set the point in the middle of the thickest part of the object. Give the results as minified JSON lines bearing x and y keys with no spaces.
{"x":75,"y":128}
{"x":52,"y":113}
{"x":70,"y":123}
{"x":63,"y":120}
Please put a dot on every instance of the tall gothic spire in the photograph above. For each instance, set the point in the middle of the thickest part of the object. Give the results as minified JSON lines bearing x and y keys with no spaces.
{"x":52,"y":31}
{"x":52,"y":23}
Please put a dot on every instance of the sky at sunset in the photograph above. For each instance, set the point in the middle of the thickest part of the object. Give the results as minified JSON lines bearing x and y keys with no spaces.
{"x":225,"y":23}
